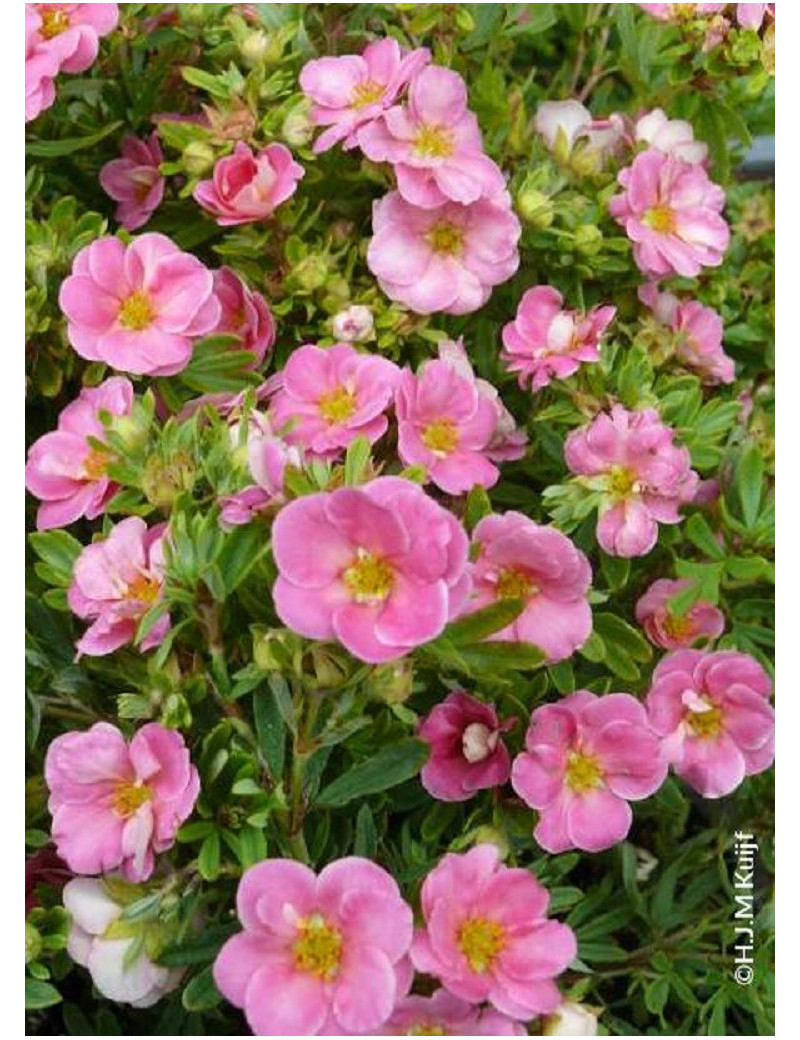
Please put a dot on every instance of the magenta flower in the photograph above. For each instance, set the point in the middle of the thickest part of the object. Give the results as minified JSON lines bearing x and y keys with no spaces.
{"x":434,"y":143}
{"x":115,"y":582}
{"x":243,"y":313}
{"x":486,"y":936}
{"x":117,"y":805}
{"x":67,"y":473}
{"x":671,"y":212}
{"x":318,"y":955}
{"x":331,"y":396}
{"x":467,"y":749}
{"x":674,"y":631}
{"x":444,"y":424}
{"x":643,"y":478}
{"x":267,"y":456}
{"x":381,"y":567}
{"x":585,"y":758}
{"x":245,"y":187}
{"x":446,"y":1015}
{"x":515,"y":558}
{"x":713,"y":712}
{"x":546,"y":342}
{"x":135,"y":181}
{"x":448,"y":258}
{"x":353,"y":90}
{"x":698,"y":334}
{"x":138,"y":308}
{"x":670,"y":136}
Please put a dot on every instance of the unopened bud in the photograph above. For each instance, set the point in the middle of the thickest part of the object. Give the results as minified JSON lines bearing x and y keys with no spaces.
{"x":254,"y":47}
{"x":354,"y":325}
{"x":198,"y":158}
{"x":534,"y":207}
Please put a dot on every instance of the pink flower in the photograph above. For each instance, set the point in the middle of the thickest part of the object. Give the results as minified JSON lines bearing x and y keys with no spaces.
{"x":515,"y":558}
{"x":698,"y":334}
{"x":115,"y":582}
{"x":713,"y":712}
{"x":243,"y":313}
{"x":629,"y":459}
{"x":67,"y":473}
{"x":546,"y":342}
{"x":563,"y":124}
{"x":678,"y":12}
{"x":673,"y":631}
{"x":118,"y":805}
{"x":245,"y":187}
{"x":134,"y":181}
{"x":585,"y":758}
{"x":486,"y":936}
{"x":751,"y":16}
{"x":447,"y":258}
{"x":41,"y":66}
{"x":446,"y":1015}
{"x":267,"y":456}
{"x":467,"y":750}
{"x":670,"y":136}
{"x":353,"y":90}
{"x":353,"y":325}
{"x":71,"y":32}
{"x":139,"y":308}
{"x":318,"y":955}
{"x":381,"y":567}
{"x":333,"y":395}
{"x":434,"y":143}
{"x":444,"y":424}
{"x":671,"y":212}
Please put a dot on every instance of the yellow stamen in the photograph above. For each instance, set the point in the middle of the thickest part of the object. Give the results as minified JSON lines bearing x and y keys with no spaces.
{"x":318,"y":949}
{"x":445,"y":238}
{"x":622,"y":482}
{"x":367,"y":93}
{"x":426,"y":1029}
{"x":583,"y":772}
{"x":678,"y":627}
{"x":54,"y":22}
{"x":514,"y":584}
{"x":661,"y":219}
{"x":337,"y":405}
{"x":441,"y":436}
{"x":96,"y":464}
{"x":136,"y":312}
{"x":481,"y":940}
{"x":369,"y":578}
{"x":128,"y":797}
{"x":434,"y":142}
{"x":705,"y":724}
{"x":144,"y":588}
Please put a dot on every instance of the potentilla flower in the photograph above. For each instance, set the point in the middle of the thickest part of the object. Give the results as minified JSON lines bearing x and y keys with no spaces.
{"x":41,"y":67}
{"x":670,"y":136}
{"x":318,"y":955}
{"x":245,"y":187}
{"x":444,"y":424}
{"x":698,"y":334}
{"x":444,"y":1014}
{"x":117,"y":805}
{"x":546,"y":342}
{"x":243,"y":313}
{"x":713,"y":712}
{"x":115,"y":582}
{"x":563,"y":124}
{"x":353,"y":325}
{"x":671,"y":212}
{"x":585,"y":758}
{"x":467,"y":749}
{"x":108,"y":948}
{"x":267,"y":457}
{"x":434,"y":143}
{"x":751,"y":16}
{"x":515,"y":558}
{"x":331,"y":395}
{"x":72,"y":32}
{"x":381,"y":567}
{"x":571,"y":1019}
{"x":354,"y":89}
{"x":486,"y":936}
{"x":139,"y":308}
{"x":135,"y":181}
{"x":448,"y":258}
{"x":642,"y":476}
{"x":673,"y":631}
{"x":681,"y":12}
{"x":67,"y":473}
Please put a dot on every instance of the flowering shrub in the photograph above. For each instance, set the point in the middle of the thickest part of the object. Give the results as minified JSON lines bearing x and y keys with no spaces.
{"x":400,"y":515}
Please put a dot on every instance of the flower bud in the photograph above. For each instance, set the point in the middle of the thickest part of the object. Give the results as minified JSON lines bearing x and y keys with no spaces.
{"x":33,"y":943}
{"x":588,"y":239}
{"x":198,"y":157}
{"x":163,"y":481}
{"x":311,"y":273}
{"x":273,"y":649}
{"x":570,"y":1020}
{"x":297,"y":129}
{"x":253,"y":47}
{"x":488,"y":835}
{"x":354,"y":325}
{"x":392,"y":683}
{"x":534,"y":207}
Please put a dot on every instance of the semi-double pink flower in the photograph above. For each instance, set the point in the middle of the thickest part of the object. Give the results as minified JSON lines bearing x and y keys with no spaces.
{"x":674,"y":631}
{"x":139,"y":308}
{"x":117,"y":805}
{"x":698,"y":333}
{"x":67,"y":473}
{"x":267,"y":458}
{"x":444,"y":1014}
{"x":381,"y":567}
{"x":245,"y":187}
{"x":135,"y":181}
{"x":243,"y":313}
{"x":585,"y":758}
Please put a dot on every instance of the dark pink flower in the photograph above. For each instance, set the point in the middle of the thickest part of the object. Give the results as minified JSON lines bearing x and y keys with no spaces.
{"x":243,"y":313}
{"x":673,"y":631}
{"x":245,"y":187}
{"x":135,"y":181}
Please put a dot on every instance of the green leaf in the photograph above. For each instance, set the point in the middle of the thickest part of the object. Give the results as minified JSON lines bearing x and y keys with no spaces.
{"x":366,"y":839}
{"x":219,"y":365}
{"x":749,"y":483}
{"x":616,"y":632}
{"x":270,"y":730}
{"x":40,"y":995}
{"x":477,"y":507}
{"x":358,"y":456}
{"x":700,"y":534}
{"x":484,"y":622}
{"x":68,"y":145}
{"x":200,"y":993}
{"x":59,"y":551}
{"x":387,"y":768}
{"x":208,"y":859}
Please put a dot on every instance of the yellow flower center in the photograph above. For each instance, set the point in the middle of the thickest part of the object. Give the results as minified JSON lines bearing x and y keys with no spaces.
{"x":514,"y":584}
{"x":441,"y":436}
{"x":704,"y":724}
{"x":128,"y":797}
{"x":337,"y":405}
{"x":54,"y":22}
{"x":660,"y":219}
{"x":583,"y":772}
{"x":445,"y":238}
{"x":96,"y":463}
{"x":318,"y":949}
{"x":367,"y":93}
{"x":136,"y":312}
{"x":369,"y":578}
{"x":481,"y":940}
{"x":425,"y":1029}
{"x":677,"y":627}
{"x":434,"y":142}
{"x":622,"y":482}
{"x":145,"y":588}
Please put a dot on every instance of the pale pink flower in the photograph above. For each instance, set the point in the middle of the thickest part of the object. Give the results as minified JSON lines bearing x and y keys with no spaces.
{"x":467,"y":749}
{"x":41,"y":66}
{"x":671,"y":212}
{"x":564,"y":124}
{"x":443,"y":1014}
{"x":71,"y":32}
{"x":67,"y":473}
{"x":353,"y":325}
{"x":444,"y":424}
{"x":629,"y":458}
{"x":354,"y":89}
{"x":448,"y":258}
{"x":434,"y":143}
{"x":673,"y":631}
{"x":670,"y":136}
{"x":267,"y":457}
{"x":318,"y":955}
{"x":585,"y":758}
{"x":679,"y":12}
{"x":546,"y":342}
{"x":135,"y":181}
{"x":243,"y":313}
{"x":115,"y":582}
{"x":486,"y":936}
{"x":332,"y":395}
{"x":381,"y":567}
{"x":698,"y":334}
{"x":571,"y":1019}
{"x":139,"y":308}
{"x":245,"y":187}
{"x":713,"y":712}
{"x":117,"y":805}
{"x":751,"y":16}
